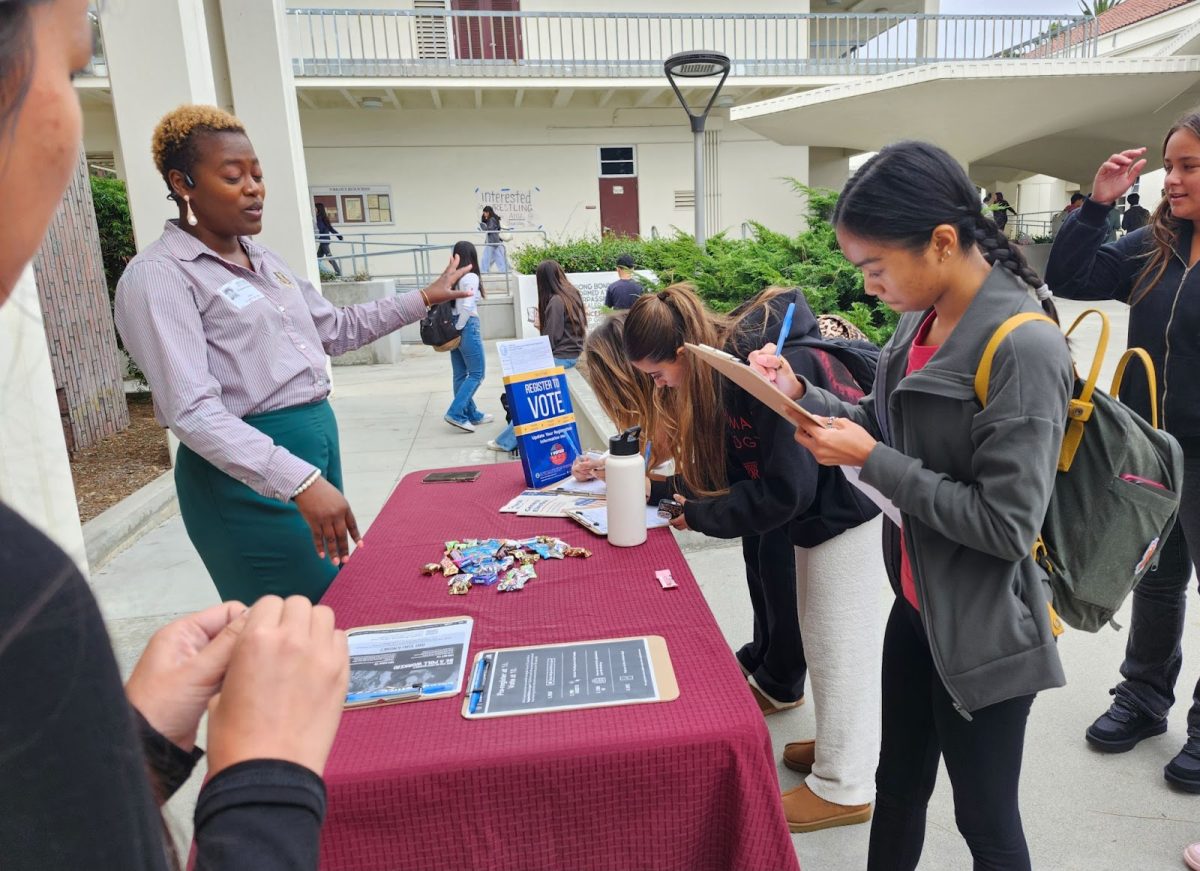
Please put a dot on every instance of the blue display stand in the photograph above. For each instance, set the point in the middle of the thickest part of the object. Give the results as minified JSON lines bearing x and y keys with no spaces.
{"x":544,"y":423}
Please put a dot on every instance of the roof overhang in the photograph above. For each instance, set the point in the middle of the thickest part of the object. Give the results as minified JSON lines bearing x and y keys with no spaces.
{"x":1059,"y":117}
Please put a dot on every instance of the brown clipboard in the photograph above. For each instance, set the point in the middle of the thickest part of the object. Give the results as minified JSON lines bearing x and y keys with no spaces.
{"x":420,"y":696}
{"x":660,"y":661}
{"x":752,"y":382}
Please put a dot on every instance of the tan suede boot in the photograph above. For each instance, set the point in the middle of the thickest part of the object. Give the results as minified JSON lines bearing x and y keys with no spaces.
{"x":800,"y":755}
{"x":808,"y":812}
{"x":768,"y":707}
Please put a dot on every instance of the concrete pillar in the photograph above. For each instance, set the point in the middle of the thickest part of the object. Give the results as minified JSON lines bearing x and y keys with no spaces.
{"x":35,"y":473}
{"x":158,"y":58}
{"x":264,"y":97}
{"x":79,"y":325}
{"x":927,"y":32}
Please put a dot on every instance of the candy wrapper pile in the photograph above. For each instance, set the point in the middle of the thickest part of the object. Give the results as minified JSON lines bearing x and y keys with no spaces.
{"x":506,"y":563}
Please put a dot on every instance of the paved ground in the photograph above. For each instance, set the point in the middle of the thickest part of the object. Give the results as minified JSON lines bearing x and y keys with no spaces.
{"x":1082,"y":810}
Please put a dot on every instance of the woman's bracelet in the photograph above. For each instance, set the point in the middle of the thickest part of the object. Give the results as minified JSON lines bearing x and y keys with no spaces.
{"x":425,"y":299}
{"x":308,"y":482}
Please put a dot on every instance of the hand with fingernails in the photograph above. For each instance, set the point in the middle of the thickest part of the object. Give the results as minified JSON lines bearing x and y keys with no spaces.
{"x":1117,"y":175}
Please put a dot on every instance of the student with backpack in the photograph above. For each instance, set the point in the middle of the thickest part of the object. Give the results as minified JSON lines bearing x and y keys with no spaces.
{"x":1151,"y":270}
{"x":808,"y":536}
{"x":467,"y":360}
{"x":970,"y":639}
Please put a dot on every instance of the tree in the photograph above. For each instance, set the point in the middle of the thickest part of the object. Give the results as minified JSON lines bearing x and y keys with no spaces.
{"x":1097,"y":7}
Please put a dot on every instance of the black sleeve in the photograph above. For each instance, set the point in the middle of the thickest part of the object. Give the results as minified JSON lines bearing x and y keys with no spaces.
{"x":785,"y":486}
{"x":1082,"y":266}
{"x":264,"y":814}
{"x":74,"y":790}
{"x":608,"y":297}
{"x":170,"y":765}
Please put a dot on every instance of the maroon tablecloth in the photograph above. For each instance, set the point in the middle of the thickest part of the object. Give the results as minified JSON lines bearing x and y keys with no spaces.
{"x":687,"y":785}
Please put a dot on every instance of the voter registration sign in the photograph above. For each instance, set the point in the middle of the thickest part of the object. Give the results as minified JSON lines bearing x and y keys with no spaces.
{"x":544,"y":423}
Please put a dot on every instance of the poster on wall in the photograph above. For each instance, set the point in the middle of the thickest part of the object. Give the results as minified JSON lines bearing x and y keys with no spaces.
{"x":517,"y":207}
{"x":355,"y":203}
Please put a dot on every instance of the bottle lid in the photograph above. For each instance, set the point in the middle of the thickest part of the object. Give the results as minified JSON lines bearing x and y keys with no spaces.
{"x":625,"y":444}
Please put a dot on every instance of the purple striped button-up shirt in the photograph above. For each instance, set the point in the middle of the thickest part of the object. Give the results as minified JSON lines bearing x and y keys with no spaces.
{"x":218,"y":342}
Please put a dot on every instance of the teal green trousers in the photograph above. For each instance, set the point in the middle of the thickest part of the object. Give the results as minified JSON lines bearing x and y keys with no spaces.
{"x":251,"y":545}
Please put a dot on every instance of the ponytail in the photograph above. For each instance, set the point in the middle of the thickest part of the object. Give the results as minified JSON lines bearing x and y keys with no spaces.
{"x":657,"y":326}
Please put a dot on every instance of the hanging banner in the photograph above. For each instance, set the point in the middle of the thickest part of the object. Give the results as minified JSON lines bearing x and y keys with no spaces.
{"x":515,"y":206}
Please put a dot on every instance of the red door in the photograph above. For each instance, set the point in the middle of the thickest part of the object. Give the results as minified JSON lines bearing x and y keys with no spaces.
{"x":486,"y":37}
{"x":619,"y":206}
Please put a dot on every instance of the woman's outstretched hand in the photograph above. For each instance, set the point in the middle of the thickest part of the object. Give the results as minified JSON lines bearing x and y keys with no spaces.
{"x":442,"y":287}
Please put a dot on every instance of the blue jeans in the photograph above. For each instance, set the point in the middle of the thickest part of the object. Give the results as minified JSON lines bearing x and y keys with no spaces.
{"x":467,"y":361}
{"x":508,"y":438}
{"x":494,"y":255}
{"x":1153,"y":652}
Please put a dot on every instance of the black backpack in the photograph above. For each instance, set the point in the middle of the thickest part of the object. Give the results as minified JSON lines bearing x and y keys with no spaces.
{"x":437,"y":327}
{"x":859,"y":356}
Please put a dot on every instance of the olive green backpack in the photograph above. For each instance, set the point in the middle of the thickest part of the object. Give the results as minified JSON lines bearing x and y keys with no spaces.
{"x":1116,"y":493}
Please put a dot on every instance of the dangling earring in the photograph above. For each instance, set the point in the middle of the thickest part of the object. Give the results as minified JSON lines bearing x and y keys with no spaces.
{"x":191,"y":216}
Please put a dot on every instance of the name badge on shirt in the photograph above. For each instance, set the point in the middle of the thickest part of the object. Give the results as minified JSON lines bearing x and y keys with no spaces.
{"x":240,"y":292}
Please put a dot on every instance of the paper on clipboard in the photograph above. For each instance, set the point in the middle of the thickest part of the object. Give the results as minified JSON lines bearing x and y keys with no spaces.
{"x":750,"y":381}
{"x":766,"y":393}
{"x":890,"y":511}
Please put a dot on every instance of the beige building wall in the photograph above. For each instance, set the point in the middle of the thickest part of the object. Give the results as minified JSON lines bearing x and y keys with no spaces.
{"x":434,"y":161}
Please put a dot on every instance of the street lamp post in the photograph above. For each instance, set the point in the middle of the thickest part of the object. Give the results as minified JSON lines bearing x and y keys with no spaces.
{"x":697,"y":65}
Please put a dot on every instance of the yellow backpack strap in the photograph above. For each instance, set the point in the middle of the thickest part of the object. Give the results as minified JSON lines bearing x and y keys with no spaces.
{"x":983,"y":373}
{"x":1079,"y":411}
{"x":1148,"y":364}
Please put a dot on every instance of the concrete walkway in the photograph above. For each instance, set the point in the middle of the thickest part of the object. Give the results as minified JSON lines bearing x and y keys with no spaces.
{"x":1082,"y":810}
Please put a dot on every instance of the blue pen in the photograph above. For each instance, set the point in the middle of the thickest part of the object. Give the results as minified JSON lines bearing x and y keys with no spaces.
{"x":647,"y":453}
{"x":785,"y":329}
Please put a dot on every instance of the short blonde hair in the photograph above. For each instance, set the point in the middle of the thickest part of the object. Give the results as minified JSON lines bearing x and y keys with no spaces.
{"x":176,"y":133}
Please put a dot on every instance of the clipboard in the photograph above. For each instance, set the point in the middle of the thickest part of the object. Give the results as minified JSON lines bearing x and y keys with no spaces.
{"x":752,"y":382}
{"x":508,"y":682}
{"x":413,"y":661}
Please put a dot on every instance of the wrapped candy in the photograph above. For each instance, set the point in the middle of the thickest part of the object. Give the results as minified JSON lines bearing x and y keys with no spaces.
{"x":515,"y":579}
{"x":460,"y":585}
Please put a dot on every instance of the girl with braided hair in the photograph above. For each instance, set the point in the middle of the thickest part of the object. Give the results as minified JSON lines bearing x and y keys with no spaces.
{"x":970,"y":640}
{"x":1151,"y":269}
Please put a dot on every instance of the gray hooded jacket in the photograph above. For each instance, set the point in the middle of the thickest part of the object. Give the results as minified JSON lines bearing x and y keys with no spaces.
{"x":972,"y":485}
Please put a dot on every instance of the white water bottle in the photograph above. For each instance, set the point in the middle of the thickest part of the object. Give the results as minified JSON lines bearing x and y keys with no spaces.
{"x":625,"y":480}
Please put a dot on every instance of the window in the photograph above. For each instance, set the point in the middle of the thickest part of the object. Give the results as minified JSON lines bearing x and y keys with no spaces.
{"x":355,"y":204}
{"x":617,"y":160}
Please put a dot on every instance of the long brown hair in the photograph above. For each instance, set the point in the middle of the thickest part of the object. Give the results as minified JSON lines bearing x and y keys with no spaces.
{"x":655,"y":329}
{"x":1164,"y":227}
{"x":552,"y":282}
{"x":626,"y":394}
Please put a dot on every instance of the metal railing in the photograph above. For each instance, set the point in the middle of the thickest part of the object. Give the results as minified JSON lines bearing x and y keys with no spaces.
{"x":445,"y":43}
{"x":414,"y":259}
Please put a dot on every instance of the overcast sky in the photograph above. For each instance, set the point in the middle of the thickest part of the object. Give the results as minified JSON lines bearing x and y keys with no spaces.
{"x":1009,"y":7}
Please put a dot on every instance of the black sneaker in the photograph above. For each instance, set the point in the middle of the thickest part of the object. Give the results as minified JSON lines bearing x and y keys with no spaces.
{"x":1121,"y":727}
{"x":1184,"y":770}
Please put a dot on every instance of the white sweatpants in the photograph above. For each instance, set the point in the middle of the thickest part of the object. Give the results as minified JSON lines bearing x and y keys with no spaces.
{"x":838,"y":587}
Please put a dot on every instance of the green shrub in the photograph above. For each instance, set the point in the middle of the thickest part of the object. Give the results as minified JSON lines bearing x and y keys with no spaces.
{"x":115,"y":226}
{"x":729,"y":271}
{"x":117,"y":247}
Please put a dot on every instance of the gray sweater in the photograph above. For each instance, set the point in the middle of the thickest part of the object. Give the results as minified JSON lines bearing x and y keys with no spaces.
{"x":972,"y":485}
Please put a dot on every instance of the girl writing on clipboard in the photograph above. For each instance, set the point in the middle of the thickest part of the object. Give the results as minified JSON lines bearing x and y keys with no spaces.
{"x":970,"y":640}
{"x":804,"y":532}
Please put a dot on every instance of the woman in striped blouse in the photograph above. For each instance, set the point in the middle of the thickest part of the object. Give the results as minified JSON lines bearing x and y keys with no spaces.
{"x":233,"y":344}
